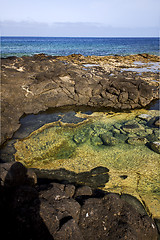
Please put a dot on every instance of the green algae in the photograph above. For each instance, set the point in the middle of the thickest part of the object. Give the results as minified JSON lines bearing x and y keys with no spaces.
{"x":101,"y":140}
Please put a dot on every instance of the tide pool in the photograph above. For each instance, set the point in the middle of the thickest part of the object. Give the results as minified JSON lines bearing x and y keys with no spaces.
{"x":119,"y":142}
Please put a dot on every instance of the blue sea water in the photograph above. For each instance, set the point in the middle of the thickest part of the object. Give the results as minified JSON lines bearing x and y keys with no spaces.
{"x":19,"y":46}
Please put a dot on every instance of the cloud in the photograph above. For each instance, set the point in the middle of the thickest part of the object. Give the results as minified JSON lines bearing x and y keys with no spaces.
{"x":73,"y":29}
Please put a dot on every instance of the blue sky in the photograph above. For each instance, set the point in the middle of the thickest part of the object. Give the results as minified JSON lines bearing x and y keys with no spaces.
{"x":80,"y":18}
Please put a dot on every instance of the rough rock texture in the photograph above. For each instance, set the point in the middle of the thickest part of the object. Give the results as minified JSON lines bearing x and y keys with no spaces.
{"x":33,"y":84}
{"x":111,"y":218}
{"x":48,"y":210}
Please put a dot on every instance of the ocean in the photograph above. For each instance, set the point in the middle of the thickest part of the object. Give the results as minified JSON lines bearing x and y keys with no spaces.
{"x":62,"y":46}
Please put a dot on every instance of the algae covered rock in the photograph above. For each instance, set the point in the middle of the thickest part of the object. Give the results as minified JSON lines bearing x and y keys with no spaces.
{"x":157,"y":123}
{"x":136,"y":140}
{"x":154,"y":122}
{"x":99,"y":128}
{"x":82,"y":135}
{"x":108,"y":140}
{"x":132,"y":127}
{"x":96,"y":141}
{"x":144,"y":116}
{"x":155,"y":136}
{"x":122,"y":137}
{"x":156,"y":146}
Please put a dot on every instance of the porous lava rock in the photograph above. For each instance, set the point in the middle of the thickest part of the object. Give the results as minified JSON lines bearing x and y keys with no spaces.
{"x":48,"y":210}
{"x":31,"y":84}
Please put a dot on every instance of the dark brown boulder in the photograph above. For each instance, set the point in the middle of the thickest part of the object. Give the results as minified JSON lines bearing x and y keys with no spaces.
{"x":113,"y":218}
{"x":50,"y":210}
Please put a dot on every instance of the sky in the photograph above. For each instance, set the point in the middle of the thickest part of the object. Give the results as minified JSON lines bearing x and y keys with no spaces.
{"x":73,"y":18}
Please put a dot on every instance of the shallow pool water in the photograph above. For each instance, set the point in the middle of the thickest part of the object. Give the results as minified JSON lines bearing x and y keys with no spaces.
{"x":91,"y":65}
{"x":141,"y":67}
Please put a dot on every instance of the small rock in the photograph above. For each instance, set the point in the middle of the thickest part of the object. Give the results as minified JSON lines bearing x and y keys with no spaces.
{"x":149,"y":131}
{"x":132,"y":127}
{"x":154,"y":122}
{"x":132,"y":135}
{"x":55,"y":193}
{"x":157,"y":123}
{"x":136,"y":140}
{"x":69,"y":190}
{"x":108,"y":140}
{"x":155,"y":146}
{"x":154,"y":137}
{"x":157,"y":133}
{"x":58,"y":185}
{"x":143,"y":133}
{"x":83,"y":191}
{"x":121,"y":137}
{"x":96,"y":141}
{"x":145,"y":116}
{"x":116,"y":131}
{"x":117,"y":125}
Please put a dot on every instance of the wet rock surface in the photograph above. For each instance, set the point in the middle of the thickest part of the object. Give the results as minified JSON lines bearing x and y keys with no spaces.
{"x":33,"y":84}
{"x":50,"y":210}
{"x":156,"y":146}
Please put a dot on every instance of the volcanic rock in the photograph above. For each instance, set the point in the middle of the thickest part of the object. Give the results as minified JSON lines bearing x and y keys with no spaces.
{"x":46,"y":211}
{"x":33,"y":84}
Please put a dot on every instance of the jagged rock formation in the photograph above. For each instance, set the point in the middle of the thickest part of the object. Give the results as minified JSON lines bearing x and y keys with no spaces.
{"x":33,"y":84}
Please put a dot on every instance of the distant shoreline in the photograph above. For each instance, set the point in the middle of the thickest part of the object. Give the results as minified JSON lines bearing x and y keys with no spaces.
{"x":77,"y":55}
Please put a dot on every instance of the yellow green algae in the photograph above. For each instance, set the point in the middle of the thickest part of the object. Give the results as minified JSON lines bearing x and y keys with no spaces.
{"x":133,"y":168}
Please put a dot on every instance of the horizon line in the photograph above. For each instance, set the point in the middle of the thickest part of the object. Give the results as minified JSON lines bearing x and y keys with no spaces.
{"x":86,"y":36}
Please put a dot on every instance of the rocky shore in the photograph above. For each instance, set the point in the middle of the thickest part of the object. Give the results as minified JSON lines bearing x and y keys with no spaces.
{"x":95,"y":178}
{"x":50,"y":210}
{"x":34,"y":84}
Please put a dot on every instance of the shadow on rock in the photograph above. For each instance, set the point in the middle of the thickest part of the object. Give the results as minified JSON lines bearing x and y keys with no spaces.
{"x":20,"y":204}
{"x":97,"y":177}
{"x":31,"y":210}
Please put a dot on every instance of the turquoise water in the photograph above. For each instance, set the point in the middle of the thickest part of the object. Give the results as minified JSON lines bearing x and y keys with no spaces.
{"x":19,"y":46}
